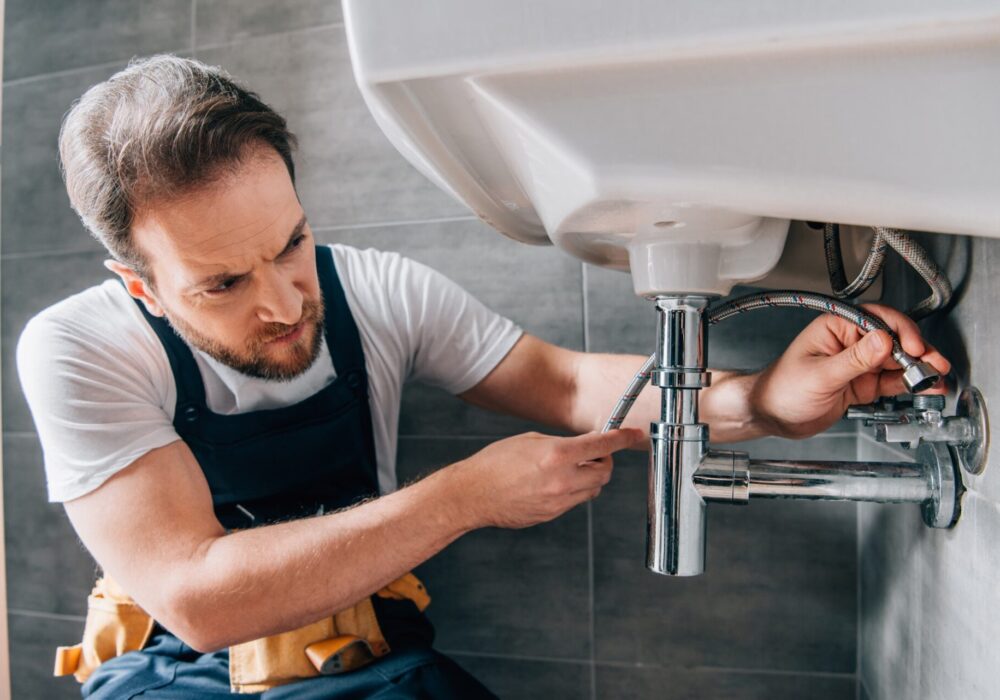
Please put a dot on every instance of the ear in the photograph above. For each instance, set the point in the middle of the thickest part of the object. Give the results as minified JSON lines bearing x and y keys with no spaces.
{"x":135,"y":286}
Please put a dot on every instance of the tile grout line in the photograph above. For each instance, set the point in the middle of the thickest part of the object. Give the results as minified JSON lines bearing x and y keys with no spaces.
{"x":13,"y":82}
{"x":401,"y":222}
{"x":66,"y":72}
{"x":194,"y":25}
{"x":762,"y":671}
{"x":33,"y":254}
{"x":639,"y":665}
{"x":45,"y":615}
{"x":517,"y":657}
{"x":415,"y":436}
{"x":272,"y":35}
{"x":857,"y":582}
{"x":30,"y":254}
{"x":592,"y":626}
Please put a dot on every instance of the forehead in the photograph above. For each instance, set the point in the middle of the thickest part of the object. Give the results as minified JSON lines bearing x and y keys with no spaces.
{"x":232,"y":222}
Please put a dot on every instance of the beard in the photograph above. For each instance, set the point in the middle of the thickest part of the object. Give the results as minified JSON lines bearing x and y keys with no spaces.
{"x":252,"y":359}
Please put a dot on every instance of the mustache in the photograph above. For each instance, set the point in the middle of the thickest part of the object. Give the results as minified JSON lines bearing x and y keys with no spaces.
{"x":312,"y":312}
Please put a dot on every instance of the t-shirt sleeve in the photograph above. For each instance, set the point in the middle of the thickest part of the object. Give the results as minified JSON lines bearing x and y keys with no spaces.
{"x":452,"y":339}
{"x":96,"y":405}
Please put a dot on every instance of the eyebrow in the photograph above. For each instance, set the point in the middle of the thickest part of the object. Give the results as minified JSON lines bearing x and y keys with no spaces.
{"x":217,"y":279}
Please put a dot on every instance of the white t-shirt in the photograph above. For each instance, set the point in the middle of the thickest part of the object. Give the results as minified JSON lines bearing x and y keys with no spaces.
{"x":102,"y":393}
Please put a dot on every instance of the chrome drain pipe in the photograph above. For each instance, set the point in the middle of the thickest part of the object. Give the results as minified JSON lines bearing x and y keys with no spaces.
{"x":685,"y":473}
{"x":675,"y":526}
{"x":727,"y":476}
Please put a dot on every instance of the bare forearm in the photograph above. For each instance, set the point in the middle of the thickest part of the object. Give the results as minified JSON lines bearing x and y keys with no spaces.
{"x":726,"y":405}
{"x":275,"y":578}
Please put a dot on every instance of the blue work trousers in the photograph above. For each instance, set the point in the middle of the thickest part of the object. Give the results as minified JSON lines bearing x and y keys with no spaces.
{"x":168,"y":669}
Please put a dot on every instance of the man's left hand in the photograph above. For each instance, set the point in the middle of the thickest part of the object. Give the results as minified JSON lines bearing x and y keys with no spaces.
{"x":832,"y":365}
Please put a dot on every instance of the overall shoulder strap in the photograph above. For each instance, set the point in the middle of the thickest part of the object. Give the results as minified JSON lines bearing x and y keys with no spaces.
{"x":190,"y":389}
{"x":342,"y":336}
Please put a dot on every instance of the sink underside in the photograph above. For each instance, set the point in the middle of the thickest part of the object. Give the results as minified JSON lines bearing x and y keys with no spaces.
{"x":591,"y":125}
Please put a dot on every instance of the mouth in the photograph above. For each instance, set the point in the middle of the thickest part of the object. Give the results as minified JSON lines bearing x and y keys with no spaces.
{"x":289,"y":337}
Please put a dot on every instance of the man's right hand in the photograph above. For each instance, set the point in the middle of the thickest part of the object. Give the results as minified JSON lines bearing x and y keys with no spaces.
{"x":532,"y":478}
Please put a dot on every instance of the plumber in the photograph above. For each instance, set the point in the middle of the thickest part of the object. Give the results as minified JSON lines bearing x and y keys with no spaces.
{"x":220,"y":419}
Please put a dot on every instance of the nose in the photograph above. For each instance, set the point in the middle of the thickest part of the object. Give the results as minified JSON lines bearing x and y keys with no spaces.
{"x":279,"y":300}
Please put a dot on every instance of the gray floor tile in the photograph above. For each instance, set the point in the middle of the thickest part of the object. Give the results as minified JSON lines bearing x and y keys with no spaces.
{"x":540,"y":289}
{"x":348,"y":172}
{"x":36,"y":212}
{"x":222,"y":21}
{"x":28,"y":286}
{"x":616,"y":683}
{"x":41,"y":37}
{"x":778,"y":592}
{"x":518,"y":679}
{"x":494,"y":591}
{"x":47,"y":568}
{"x":33,"y":642}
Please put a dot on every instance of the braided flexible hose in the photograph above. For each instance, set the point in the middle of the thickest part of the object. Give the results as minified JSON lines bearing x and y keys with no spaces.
{"x":835,"y":263}
{"x":783,"y":298}
{"x":805,"y":300}
{"x":635,"y":387}
{"x":917,"y":258}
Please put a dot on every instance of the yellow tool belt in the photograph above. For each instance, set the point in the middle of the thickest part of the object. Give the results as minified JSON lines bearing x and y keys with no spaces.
{"x":348,"y":640}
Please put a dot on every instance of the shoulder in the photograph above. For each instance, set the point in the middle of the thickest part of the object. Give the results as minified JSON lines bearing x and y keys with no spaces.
{"x":356,"y":265}
{"x":97,"y":331}
{"x":103,"y":314}
{"x":367,"y":273}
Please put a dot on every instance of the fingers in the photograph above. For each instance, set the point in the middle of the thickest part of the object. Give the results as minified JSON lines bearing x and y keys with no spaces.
{"x":864,"y":356}
{"x":593,"y":446}
{"x":936,"y":359}
{"x":890,"y":383}
{"x":905,"y":327}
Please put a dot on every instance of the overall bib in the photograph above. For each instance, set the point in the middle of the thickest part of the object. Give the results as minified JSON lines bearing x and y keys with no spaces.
{"x":312,"y":457}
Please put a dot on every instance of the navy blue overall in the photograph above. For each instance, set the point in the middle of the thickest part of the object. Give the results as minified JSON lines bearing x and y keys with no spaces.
{"x":314,"y":456}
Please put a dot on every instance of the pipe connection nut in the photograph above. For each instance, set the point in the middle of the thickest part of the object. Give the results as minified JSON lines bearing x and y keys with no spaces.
{"x":919,"y":376}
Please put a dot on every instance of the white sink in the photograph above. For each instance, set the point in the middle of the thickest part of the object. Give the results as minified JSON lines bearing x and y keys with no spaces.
{"x":679,"y":138}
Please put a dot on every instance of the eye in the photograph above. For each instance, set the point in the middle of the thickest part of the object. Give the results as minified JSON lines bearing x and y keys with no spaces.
{"x":224,"y":286}
{"x":295,"y":243}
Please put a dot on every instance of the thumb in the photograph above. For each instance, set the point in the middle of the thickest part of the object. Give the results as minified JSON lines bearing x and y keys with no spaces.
{"x":862,"y":357}
{"x":595,"y":445}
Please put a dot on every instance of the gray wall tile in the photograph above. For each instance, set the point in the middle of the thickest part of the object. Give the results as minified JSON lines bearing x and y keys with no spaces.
{"x":36,"y":215}
{"x":615,"y":683}
{"x":930,"y":608}
{"x":47,"y":567}
{"x":33,"y":642}
{"x":348,"y":172}
{"x":222,"y":21}
{"x":41,"y":37}
{"x":511,"y":592}
{"x":521,"y":679}
{"x":778,"y":592}
{"x":547,"y":303}
{"x":28,"y":286}
{"x":929,"y":601}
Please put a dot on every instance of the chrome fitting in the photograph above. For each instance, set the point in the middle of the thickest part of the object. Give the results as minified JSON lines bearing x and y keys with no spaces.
{"x":917,"y":375}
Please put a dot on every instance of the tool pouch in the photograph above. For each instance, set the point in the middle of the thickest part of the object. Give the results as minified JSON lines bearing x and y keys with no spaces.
{"x":115,"y":625}
{"x":350,"y":639}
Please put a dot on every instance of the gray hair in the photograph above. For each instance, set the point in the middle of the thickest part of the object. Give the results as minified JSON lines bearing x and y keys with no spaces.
{"x":155,"y":130}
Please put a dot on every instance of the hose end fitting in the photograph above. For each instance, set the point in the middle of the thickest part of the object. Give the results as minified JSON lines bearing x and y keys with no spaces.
{"x":918,"y":376}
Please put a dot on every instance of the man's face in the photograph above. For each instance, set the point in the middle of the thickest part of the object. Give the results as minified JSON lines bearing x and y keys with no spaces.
{"x":234,"y":270}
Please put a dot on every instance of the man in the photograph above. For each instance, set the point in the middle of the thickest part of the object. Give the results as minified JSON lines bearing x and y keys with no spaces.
{"x":220,"y":421}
